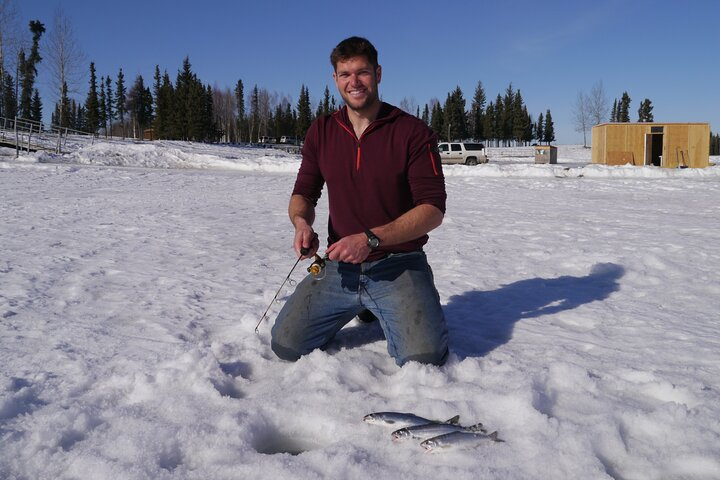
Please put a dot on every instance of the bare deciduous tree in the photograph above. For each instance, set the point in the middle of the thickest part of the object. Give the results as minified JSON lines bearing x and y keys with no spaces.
{"x":598,"y":104}
{"x":581,"y":116}
{"x":409,"y":105}
{"x":266,"y":104}
{"x":64,"y":59}
{"x":224,"y":106}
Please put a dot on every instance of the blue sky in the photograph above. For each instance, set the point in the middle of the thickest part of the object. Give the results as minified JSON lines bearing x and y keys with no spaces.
{"x":666,"y":51}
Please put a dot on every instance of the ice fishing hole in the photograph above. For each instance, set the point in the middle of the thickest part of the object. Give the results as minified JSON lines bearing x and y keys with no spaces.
{"x":272,"y":443}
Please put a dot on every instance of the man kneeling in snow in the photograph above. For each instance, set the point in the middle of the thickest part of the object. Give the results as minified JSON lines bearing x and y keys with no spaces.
{"x":386,"y":191}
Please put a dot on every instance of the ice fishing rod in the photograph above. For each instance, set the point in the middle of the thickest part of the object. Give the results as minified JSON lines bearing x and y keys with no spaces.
{"x":316,"y":269}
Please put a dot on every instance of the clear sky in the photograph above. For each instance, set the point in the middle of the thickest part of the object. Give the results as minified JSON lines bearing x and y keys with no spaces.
{"x":664,"y":50}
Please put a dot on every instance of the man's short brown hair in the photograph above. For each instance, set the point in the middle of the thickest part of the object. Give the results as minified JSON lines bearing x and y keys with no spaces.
{"x":354,"y":47}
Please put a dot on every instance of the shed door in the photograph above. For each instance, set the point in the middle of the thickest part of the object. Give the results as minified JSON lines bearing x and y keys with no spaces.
{"x":653,"y":149}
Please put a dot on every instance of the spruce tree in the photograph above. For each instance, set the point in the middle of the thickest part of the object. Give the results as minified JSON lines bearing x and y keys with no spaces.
{"x":9,"y":98}
{"x":80,"y":119}
{"x":507,"y":114}
{"x":198,"y":121}
{"x":254,"y":117}
{"x":109,"y":103}
{"x":120,"y":100}
{"x":714,"y":144}
{"x":304,"y":112}
{"x":645,"y":111}
{"x":102,"y":106}
{"x":163,"y":122}
{"x":624,"y":108}
{"x":490,"y":123}
{"x":478,"y":112}
{"x":212,"y":133}
{"x":240,"y":102}
{"x":520,"y":119}
{"x":157,"y":83}
{"x":426,"y":115}
{"x":455,"y":121}
{"x":139,"y":103}
{"x":549,"y":135}
{"x":437,"y":121}
{"x":183,"y":92}
{"x":530,"y":128}
{"x":36,"y":107}
{"x":614,"y":113}
{"x":325,"y":110}
{"x":540,"y":129}
{"x":92,"y":105}
{"x":288,"y":120}
{"x":28,"y":70}
{"x":499,"y":120}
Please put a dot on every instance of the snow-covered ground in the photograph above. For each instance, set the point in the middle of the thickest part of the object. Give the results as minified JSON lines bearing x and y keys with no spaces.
{"x":582,"y":302}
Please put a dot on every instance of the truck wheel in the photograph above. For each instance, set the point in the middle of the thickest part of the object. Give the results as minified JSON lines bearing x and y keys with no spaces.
{"x":471,"y":161}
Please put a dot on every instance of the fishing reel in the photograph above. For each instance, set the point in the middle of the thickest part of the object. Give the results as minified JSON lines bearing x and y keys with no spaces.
{"x":317,"y":267}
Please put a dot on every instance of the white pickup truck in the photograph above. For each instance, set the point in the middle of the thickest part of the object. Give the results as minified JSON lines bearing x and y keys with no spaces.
{"x":464,"y":153}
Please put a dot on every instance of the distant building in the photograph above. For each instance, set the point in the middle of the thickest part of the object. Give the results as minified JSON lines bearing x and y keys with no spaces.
{"x":668,"y":145}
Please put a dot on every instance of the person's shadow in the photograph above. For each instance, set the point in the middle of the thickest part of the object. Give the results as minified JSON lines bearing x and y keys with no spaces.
{"x":480,"y":321}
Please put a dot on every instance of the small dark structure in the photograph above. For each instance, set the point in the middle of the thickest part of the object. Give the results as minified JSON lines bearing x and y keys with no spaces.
{"x":545,"y":154}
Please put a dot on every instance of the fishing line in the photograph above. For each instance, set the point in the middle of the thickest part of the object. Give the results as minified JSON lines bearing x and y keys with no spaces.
{"x":303,"y":252}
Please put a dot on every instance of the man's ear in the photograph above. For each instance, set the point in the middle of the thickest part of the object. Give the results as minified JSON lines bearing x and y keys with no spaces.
{"x":378,"y":73}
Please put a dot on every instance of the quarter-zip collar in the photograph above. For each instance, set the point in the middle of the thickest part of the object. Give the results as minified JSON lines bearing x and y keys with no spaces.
{"x":387,"y":113}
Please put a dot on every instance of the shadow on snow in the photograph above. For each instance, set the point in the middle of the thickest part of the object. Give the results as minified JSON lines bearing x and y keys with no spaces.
{"x":481,"y":321}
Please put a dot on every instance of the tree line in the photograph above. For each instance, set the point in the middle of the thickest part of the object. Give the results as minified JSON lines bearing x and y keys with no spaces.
{"x":592,"y":109}
{"x":714,"y":144}
{"x":185,"y":108}
{"x":621,"y":110}
{"x":188,"y":109}
{"x":504,"y":121}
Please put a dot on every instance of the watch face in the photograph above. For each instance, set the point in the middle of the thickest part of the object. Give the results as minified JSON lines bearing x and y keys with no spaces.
{"x":373,"y":242}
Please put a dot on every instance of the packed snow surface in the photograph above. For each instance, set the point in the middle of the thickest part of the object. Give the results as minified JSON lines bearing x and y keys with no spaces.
{"x":582,"y":303}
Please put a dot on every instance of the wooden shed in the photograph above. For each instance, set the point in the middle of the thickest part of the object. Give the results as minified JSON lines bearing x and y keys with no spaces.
{"x":669,"y":145}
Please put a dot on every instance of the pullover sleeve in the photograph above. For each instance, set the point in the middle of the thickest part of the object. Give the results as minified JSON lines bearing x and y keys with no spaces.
{"x":425,"y":175}
{"x":309,"y":181}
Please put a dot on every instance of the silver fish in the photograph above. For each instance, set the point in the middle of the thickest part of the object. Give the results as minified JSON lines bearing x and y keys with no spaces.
{"x":397,"y":419}
{"x":458,"y":440}
{"x":430,"y":430}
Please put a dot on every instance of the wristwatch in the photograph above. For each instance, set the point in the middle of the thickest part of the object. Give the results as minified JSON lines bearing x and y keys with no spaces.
{"x":373,"y":241}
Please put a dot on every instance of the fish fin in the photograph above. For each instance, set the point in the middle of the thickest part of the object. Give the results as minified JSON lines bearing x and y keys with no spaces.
{"x":453,"y":421}
{"x":494,"y":437}
{"x":478,"y":427}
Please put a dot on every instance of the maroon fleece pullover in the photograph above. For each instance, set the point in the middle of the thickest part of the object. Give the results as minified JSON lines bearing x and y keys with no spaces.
{"x":372,"y":180}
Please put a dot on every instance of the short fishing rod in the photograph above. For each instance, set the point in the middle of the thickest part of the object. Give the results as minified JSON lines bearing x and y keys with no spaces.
{"x":316,"y":269}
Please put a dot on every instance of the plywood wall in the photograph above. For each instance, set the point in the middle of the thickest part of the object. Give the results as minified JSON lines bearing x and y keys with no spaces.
{"x":684,"y":144}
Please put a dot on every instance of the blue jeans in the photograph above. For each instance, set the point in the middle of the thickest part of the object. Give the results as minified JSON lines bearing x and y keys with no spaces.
{"x":398,"y":289}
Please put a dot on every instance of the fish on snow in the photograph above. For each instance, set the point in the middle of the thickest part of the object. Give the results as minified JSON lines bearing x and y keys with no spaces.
{"x":459,"y":440}
{"x":424,"y":432}
{"x":398,"y":419}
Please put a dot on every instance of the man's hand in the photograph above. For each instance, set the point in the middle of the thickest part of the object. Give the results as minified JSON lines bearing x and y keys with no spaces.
{"x":306,"y":238}
{"x":302,"y":214}
{"x":350,"y":249}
